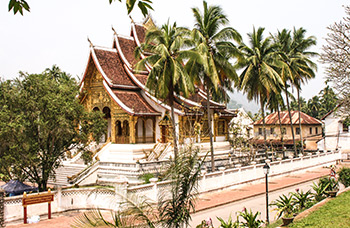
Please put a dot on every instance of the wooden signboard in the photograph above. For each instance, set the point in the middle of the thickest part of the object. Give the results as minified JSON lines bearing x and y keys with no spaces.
{"x":35,"y":199}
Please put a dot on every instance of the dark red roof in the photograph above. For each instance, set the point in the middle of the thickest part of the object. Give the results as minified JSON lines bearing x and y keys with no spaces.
{"x":273,"y":118}
{"x":272,"y":141}
{"x":112,"y":66}
{"x":128,"y":47}
{"x":134,"y":101}
{"x":141,"y":32}
{"x":142,"y":78}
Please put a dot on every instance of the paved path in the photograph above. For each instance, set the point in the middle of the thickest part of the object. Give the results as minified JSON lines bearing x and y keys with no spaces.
{"x":206,"y":201}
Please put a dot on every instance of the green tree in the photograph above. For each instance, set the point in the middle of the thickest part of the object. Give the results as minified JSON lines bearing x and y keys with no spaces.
{"x":168,"y":75}
{"x":144,"y":6}
{"x":328,"y":99}
{"x":297,"y":66}
{"x":39,"y":118}
{"x":304,"y":65}
{"x":314,"y":106}
{"x":259,"y":77}
{"x":214,"y":44}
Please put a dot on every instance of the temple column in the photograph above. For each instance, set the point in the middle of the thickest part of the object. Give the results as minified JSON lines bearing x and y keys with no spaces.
{"x":113,"y":120}
{"x":216,"y":119}
{"x":154,"y":129}
{"x":132,"y":127}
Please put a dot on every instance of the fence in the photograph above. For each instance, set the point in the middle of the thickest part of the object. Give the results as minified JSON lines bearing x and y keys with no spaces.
{"x":86,"y":198}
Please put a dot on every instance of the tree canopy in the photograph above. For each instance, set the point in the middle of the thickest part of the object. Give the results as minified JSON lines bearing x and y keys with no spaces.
{"x":40,"y":120}
{"x":18,"y":6}
{"x":336,"y":55}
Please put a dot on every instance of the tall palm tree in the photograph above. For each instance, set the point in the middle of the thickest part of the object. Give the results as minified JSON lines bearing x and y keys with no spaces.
{"x":283,"y":41}
{"x":214,"y":44}
{"x":168,"y":75}
{"x":305,"y":67}
{"x":297,"y":66}
{"x":259,"y":77}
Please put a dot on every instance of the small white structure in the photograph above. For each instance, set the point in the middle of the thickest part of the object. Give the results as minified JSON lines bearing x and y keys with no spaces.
{"x":243,"y":123}
{"x":337,"y":135}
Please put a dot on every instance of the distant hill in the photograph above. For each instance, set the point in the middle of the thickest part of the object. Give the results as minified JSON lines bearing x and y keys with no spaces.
{"x":239,"y":100}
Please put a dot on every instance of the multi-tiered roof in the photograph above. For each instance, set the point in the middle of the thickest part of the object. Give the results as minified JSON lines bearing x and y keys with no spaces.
{"x":127,"y":87}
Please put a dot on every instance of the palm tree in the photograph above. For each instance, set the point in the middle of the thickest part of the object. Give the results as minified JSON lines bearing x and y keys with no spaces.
{"x":297,"y":67}
{"x":168,"y":75}
{"x":259,"y":77}
{"x":215,"y":46}
{"x":174,"y":206}
{"x":283,"y":42}
{"x":304,"y":66}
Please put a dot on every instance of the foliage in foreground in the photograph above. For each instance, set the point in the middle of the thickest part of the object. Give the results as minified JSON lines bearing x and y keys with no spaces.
{"x":344,"y":176}
{"x":334,"y":214}
{"x":39,"y":116}
{"x":172,"y":209}
{"x":144,"y":5}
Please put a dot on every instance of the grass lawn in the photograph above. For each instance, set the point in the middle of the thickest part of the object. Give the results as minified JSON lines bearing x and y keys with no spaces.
{"x":334,"y":214}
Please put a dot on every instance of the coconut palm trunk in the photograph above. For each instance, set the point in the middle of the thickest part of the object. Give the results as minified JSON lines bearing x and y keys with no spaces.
{"x":171,"y":103}
{"x":290,"y":118}
{"x":281,"y":130}
{"x":210,"y":131}
{"x":300,"y":131}
{"x":264,"y":127}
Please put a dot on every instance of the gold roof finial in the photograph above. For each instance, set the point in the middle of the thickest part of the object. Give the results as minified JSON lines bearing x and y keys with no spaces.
{"x":91,"y":45}
{"x":115,"y":32}
{"x":132,"y":21}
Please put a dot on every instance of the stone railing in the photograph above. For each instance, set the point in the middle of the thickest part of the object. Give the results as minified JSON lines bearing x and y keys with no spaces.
{"x":86,"y":198}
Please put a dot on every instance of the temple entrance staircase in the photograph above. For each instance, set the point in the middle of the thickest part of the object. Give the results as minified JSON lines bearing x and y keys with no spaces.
{"x":123,"y":162}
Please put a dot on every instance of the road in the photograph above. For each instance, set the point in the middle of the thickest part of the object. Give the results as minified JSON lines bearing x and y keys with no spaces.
{"x":257,"y":203}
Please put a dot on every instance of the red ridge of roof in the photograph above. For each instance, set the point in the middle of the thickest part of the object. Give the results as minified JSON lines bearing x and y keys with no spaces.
{"x":135,"y":101}
{"x":273,"y":118}
{"x":112,"y":66}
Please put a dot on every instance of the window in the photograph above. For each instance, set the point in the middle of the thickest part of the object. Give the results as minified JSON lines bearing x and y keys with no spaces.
{"x":272,"y":130}
{"x":316,"y":130}
{"x":310,"y":130}
{"x":297,"y":131}
{"x":260,"y":131}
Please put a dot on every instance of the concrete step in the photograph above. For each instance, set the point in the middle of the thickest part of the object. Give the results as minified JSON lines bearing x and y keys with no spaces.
{"x":65,"y":171}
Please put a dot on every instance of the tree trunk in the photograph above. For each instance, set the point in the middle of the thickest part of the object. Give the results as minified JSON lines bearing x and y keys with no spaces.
{"x":301,"y":133}
{"x":264,"y":127}
{"x":290,"y":118}
{"x":281,"y":130}
{"x":210,"y":131}
{"x":171,"y":102}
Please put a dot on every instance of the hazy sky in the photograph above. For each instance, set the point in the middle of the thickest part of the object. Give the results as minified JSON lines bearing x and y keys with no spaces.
{"x":56,"y":31}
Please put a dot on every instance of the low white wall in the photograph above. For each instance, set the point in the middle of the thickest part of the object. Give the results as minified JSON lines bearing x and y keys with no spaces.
{"x":85,"y":198}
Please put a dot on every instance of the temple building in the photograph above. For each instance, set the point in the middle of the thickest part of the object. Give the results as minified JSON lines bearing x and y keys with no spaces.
{"x":111,"y":85}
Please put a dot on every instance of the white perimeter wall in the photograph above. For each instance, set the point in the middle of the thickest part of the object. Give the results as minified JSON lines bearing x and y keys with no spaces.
{"x":85,"y":198}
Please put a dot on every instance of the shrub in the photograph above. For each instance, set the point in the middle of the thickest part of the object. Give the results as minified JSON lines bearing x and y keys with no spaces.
{"x":251,"y":219}
{"x":344,"y":176}
{"x":146,"y":176}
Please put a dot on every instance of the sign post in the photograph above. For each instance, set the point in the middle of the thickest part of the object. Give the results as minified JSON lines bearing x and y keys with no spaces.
{"x":35,"y":199}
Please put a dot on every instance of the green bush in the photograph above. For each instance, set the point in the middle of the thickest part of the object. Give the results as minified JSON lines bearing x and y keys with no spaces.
{"x":146,"y":176}
{"x":344,"y":176}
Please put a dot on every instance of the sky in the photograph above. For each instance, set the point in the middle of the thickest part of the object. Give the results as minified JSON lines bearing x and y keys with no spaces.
{"x":56,"y":31}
